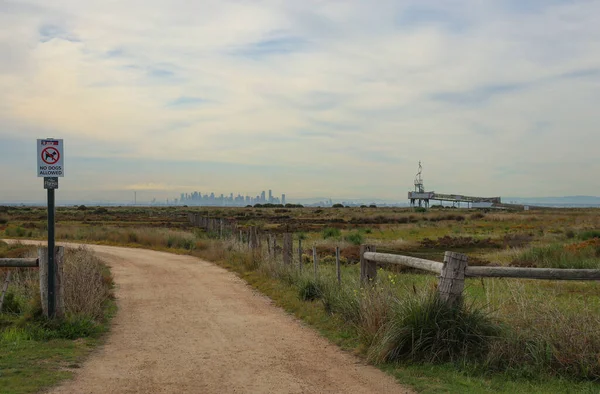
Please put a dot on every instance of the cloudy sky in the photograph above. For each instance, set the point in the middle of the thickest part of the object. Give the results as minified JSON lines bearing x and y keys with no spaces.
{"x":332,"y":98}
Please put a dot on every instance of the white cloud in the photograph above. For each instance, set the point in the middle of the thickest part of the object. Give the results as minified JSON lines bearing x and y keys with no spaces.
{"x":491,"y":96}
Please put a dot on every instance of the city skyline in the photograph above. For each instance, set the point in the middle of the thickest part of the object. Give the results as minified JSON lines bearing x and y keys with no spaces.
{"x":197,"y":198}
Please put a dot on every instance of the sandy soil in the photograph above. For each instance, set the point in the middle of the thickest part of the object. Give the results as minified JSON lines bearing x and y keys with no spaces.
{"x":187,"y":326}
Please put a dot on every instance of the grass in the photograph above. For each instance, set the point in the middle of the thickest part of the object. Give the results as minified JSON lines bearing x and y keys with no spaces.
{"x":36,"y":352}
{"x":581,"y":255}
{"x":548,"y":338}
{"x":341,"y":315}
{"x":28,"y":366}
{"x":425,"y":329}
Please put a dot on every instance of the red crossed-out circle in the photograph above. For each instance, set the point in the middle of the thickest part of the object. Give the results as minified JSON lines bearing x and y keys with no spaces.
{"x":50,"y":155}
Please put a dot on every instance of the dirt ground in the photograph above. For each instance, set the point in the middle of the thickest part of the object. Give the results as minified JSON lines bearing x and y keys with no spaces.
{"x":187,"y":326}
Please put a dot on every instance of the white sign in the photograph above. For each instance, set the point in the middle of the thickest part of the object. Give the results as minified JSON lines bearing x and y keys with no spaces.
{"x":50,"y":158}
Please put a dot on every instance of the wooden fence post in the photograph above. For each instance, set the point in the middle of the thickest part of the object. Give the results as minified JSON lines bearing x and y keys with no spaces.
{"x":58,"y":281}
{"x":4,"y":289}
{"x":300,"y":263}
{"x":452,"y":278}
{"x":254,"y":238}
{"x":275,"y":246}
{"x":368,"y":269}
{"x":337,"y":265}
{"x":269,"y":237}
{"x":288,"y":247}
{"x":316,"y":262}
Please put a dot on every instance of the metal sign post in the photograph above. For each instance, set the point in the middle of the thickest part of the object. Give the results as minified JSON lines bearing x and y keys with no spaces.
{"x":50,"y":167}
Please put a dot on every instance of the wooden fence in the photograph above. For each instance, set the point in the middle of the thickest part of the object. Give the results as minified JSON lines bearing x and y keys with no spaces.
{"x":40,"y":262}
{"x":455,"y":269}
{"x":452,"y":272}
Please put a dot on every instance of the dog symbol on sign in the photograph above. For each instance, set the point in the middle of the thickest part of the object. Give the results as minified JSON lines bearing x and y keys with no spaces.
{"x":50,"y":155}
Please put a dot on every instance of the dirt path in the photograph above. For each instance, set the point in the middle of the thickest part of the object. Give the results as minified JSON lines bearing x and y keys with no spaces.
{"x":187,"y":326}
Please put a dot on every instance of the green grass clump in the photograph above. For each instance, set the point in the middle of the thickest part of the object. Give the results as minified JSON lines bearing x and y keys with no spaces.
{"x":355,"y":238}
{"x":589,"y":234}
{"x":426,"y":329}
{"x":309,"y":290}
{"x":557,"y":256}
{"x":331,"y":232}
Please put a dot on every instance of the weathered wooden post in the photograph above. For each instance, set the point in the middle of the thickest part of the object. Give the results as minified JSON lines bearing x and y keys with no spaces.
{"x":4,"y":289}
{"x":275,"y":246}
{"x":452,"y":278}
{"x":287,"y":248}
{"x":368,"y":269}
{"x":269,"y":237}
{"x":253,"y":238}
{"x":220,"y":228}
{"x":316,"y":262}
{"x":59,"y":305}
{"x":300,"y":263}
{"x":338,"y":267}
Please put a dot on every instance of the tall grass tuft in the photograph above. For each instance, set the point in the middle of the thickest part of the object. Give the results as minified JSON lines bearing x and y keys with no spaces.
{"x":423,"y":328}
{"x":355,"y":238}
{"x":559,"y":256}
{"x":331,"y":232}
{"x":87,"y":284}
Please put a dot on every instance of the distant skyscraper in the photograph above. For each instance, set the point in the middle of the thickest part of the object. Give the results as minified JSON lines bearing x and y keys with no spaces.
{"x":270,"y":196}
{"x":283,"y":199}
{"x":262,"y":196}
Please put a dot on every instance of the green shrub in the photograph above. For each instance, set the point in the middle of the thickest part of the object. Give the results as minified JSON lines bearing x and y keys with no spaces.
{"x":589,"y":234}
{"x":72,"y":327}
{"x":343,"y":301}
{"x":331,"y":232}
{"x":423,"y":328}
{"x":15,"y":231}
{"x":309,"y":290}
{"x":3,"y":220}
{"x":11,"y":304}
{"x":420,"y":209}
{"x":355,"y":238}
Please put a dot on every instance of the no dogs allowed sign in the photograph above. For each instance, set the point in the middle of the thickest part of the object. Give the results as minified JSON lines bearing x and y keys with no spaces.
{"x":50,"y":157}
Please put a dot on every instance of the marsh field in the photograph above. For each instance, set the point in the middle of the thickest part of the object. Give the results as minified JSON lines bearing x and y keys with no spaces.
{"x":508,"y":335}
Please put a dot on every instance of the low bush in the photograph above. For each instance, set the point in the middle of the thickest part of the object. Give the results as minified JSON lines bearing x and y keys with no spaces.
{"x":87,"y":284}
{"x":589,"y":234}
{"x":355,"y":238}
{"x":423,"y":328}
{"x":477,"y":216}
{"x":309,"y":289}
{"x":331,"y":232}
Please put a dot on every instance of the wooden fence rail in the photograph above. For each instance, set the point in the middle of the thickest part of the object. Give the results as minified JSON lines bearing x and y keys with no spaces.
{"x":455,"y":269}
{"x":488,"y":272}
{"x":452,"y":272}
{"x":42,"y":263}
{"x":19,"y":263}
